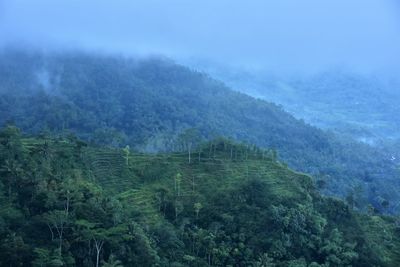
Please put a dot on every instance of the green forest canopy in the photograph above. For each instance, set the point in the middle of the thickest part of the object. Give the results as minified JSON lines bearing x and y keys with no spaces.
{"x":66,"y":203}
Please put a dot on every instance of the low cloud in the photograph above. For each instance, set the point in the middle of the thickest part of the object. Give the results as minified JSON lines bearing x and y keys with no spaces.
{"x":280,"y":35}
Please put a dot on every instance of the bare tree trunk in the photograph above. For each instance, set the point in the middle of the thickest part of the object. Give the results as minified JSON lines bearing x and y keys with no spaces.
{"x":189,"y":148}
{"x":61,"y":239}
{"x":51,"y":231}
{"x":60,"y":232}
{"x":99,"y":246}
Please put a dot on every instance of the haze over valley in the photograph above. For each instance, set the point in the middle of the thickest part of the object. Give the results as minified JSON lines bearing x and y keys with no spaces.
{"x":200,"y":133}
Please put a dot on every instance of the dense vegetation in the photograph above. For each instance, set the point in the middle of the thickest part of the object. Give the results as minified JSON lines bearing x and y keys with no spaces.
{"x":362,"y":106}
{"x":148,"y":103}
{"x":66,"y":203}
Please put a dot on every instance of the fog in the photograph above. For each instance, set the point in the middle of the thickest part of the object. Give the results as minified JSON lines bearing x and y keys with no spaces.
{"x":280,"y":35}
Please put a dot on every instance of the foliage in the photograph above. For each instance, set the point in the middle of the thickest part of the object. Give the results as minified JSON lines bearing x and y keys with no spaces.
{"x":156,"y":105}
{"x":235,"y":205}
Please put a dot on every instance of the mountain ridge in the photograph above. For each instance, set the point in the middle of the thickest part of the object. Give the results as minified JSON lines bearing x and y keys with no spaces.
{"x":148,"y":103}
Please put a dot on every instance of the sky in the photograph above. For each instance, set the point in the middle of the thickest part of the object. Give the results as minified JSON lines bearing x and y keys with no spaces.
{"x":278,"y":35}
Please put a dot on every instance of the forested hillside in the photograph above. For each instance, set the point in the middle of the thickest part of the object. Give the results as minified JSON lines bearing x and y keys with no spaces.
{"x":150,"y":104}
{"x":66,"y":203}
{"x":362,"y":106}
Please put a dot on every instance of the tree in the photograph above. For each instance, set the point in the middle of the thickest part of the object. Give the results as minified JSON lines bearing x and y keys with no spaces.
{"x":189,"y":138}
{"x":14,"y":251}
{"x":92,"y":232}
{"x":57,"y":221}
{"x":178,"y":180}
{"x":126,"y":151}
{"x":336,"y":251}
{"x":161,"y":197}
{"x":197,"y":207}
{"x":42,"y":257}
{"x":99,"y":235}
{"x":112,"y":262}
{"x":178,"y":208}
{"x":265,"y":261}
{"x":385,"y":204}
{"x":12,"y":170}
{"x":12,"y":157}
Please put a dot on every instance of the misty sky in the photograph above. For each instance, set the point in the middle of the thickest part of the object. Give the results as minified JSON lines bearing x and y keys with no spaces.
{"x":290,"y":35}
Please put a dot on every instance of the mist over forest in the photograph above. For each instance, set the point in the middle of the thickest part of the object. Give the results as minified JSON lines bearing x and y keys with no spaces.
{"x":200,"y":133}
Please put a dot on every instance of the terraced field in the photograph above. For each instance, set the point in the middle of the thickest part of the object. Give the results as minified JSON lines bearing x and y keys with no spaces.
{"x":137,"y":179}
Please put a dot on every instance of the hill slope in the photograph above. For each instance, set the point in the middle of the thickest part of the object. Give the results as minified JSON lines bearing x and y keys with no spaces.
{"x":358,"y":105}
{"x":147,"y":103}
{"x":63,"y":203}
